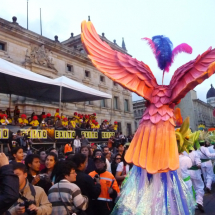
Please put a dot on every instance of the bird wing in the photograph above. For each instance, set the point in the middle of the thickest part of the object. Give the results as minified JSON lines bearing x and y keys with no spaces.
{"x":191,"y":74}
{"x":121,"y":68}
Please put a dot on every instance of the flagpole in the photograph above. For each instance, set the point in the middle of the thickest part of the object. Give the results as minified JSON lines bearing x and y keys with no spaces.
{"x":27,"y":14}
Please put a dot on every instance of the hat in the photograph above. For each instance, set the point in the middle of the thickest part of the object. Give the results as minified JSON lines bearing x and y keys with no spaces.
{"x":4,"y":115}
{"x":96,"y":123}
{"x":57,"y":110}
{"x":23,"y":116}
{"x":48,"y":115}
{"x":92,"y":144}
{"x":105,"y":120}
{"x":58,"y":116}
{"x":93,"y":121}
{"x":99,"y":157}
{"x":65,"y":119}
{"x":75,"y":113}
{"x":94,"y":114}
{"x":35,"y":118}
{"x":115,"y":122}
{"x":79,"y":115}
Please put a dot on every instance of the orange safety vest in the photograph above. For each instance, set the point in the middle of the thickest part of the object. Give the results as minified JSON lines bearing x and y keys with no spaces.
{"x":67,"y":148}
{"x":106,"y":179}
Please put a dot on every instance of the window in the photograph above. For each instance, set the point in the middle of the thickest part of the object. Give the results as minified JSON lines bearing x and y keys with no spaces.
{"x":88,"y":103}
{"x":102,"y":78}
{"x":87,"y":74}
{"x":126,"y":105}
{"x":115,"y":102}
{"x":2,"y":46}
{"x":69,"y":68}
{"x":103,"y":103}
{"x":129,"y":129}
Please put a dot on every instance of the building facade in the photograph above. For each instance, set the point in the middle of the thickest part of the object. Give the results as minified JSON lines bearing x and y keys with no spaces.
{"x":199,"y":112}
{"x":53,"y":59}
{"x":139,"y":108}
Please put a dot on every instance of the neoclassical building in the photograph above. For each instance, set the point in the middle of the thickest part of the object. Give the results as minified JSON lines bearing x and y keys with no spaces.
{"x":52,"y":58}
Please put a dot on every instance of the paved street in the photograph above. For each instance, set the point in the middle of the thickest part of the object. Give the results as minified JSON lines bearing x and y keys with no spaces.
{"x":209,"y":203}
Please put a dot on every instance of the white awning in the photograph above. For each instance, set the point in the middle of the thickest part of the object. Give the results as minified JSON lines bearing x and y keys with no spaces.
{"x":19,"y":81}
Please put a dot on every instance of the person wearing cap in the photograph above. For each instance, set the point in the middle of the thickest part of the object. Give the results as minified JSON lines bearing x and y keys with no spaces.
{"x":23,"y":121}
{"x":109,"y":187}
{"x":65,"y":123}
{"x":43,"y":120}
{"x":56,"y":114}
{"x":206,"y":166}
{"x":115,"y":127}
{"x":97,"y":126}
{"x":72,"y":123}
{"x":4,"y":120}
{"x":34,"y":122}
{"x":93,"y":124}
{"x":48,"y":120}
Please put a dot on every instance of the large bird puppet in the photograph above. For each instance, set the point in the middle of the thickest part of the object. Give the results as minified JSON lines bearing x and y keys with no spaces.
{"x":153,"y":149}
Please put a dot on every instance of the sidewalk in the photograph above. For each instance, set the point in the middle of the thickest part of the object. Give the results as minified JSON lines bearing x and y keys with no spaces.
{"x":209,"y":203}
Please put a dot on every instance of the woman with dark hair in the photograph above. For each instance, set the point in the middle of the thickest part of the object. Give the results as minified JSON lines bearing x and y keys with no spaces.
{"x":51,"y":166}
{"x":90,"y":164}
{"x":114,"y":164}
{"x":122,"y":170}
{"x":87,"y":185}
{"x":17,"y":155}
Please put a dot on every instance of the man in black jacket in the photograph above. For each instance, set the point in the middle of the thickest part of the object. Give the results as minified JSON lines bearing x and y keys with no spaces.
{"x":88,"y":186}
{"x":32,"y":163}
{"x":9,"y":184}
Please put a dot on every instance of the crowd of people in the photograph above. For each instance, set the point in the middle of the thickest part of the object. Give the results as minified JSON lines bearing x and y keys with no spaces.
{"x":85,"y":180}
{"x":197,"y":171}
{"x":59,"y":121}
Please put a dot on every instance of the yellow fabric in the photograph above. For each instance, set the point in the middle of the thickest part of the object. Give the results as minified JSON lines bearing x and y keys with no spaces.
{"x":34,"y":123}
{"x":10,"y":121}
{"x":97,"y":126}
{"x":93,"y":125}
{"x":3,"y":122}
{"x":64,"y":123}
{"x":21,"y":121}
{"x":63,"y":117}
{"x":115,"y":127}
{"x":73,"y":123}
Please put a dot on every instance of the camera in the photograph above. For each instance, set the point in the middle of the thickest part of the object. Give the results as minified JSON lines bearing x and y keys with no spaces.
{"x":96,"y":177}
{"x":42,"y":176}
{"x":26,"y":204}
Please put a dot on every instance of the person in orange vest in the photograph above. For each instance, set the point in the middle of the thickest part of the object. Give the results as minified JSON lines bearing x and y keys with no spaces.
{"x":109,"y":187}
{"x":68,"y":148}
{"x":34,"y":122}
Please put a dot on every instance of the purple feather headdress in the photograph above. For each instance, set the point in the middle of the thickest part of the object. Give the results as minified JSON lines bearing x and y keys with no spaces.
{"x":164,"y":54}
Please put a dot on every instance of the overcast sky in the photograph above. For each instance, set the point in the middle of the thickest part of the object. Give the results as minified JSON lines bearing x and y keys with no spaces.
{"x":189,"y":21}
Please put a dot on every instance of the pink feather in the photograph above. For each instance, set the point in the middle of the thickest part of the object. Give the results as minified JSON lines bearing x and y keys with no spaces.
{"x":151,"y":44}
{"x":184,"y":47}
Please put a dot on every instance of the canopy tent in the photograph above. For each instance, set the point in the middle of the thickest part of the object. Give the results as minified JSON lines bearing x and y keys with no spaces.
{"x":19,"y":81}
